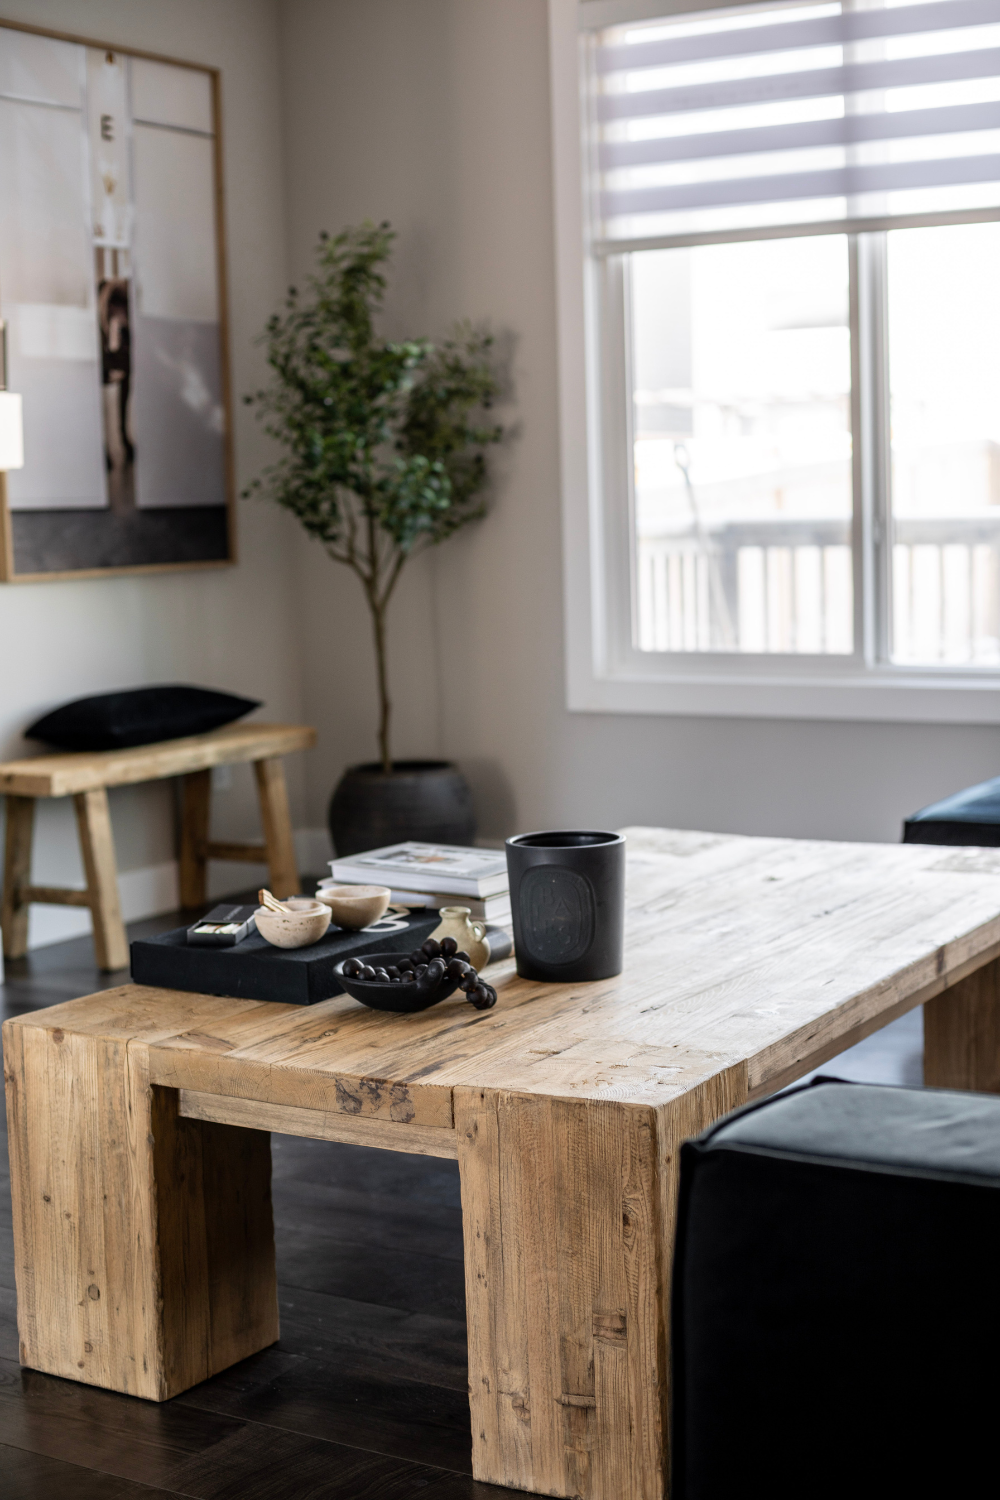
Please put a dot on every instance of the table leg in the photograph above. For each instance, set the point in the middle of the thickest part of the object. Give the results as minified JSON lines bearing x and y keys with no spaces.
{"x":16,"y":875}
{"x":962,"y":1034}
{"x":277,"y":821}
{"x":143,"y":1242}
{"x":568,"y":1209}
{"x":93,"y":821}
{"x":196,"y":807}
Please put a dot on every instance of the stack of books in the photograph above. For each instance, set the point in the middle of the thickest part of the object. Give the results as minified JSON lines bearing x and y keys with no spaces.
{"x":433,"y":875}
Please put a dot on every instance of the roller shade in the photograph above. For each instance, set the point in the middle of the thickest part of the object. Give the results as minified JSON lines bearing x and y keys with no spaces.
{"x":795,"y":116}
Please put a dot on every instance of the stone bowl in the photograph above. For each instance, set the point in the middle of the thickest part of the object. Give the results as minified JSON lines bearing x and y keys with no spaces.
{"x":355,"y":906}
{"x":305,"y":924}
{"x":405,"y":998}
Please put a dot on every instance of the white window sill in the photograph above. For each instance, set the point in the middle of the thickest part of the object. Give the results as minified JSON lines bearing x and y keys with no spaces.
{"x":890,"y":695}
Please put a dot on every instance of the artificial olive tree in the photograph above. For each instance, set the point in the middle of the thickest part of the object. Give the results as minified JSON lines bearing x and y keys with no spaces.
{"x":384,"y":441}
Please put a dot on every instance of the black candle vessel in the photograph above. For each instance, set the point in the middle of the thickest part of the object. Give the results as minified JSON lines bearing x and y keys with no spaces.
{"x":567,"y":896}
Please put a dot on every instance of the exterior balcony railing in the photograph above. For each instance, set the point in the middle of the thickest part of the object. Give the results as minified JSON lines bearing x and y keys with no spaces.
{"x":786,"y":586}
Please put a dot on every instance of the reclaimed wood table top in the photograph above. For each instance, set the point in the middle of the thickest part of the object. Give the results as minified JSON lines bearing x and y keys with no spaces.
{"x":764,"y":955}
{"x":65,"y":773}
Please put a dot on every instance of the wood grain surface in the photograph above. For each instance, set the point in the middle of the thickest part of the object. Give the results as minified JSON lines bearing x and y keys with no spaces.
{"x":97,"y":845}
{"x":319,"y":1125}
{"x":144,"y":1252}
{"x":17,"y":875}
{"x":962,"y":1034}
{"x":68,"y":772}
{"x":774,"y":954}
{"x":196,"y":811}
{"x":276,"y":818}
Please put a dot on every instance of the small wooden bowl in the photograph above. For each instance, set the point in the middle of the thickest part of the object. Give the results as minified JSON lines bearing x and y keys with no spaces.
{"x":305,"y":924}
{"x":355,"y":906}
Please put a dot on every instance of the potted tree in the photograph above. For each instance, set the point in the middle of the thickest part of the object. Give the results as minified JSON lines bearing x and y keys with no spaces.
{"x":385,"y":457}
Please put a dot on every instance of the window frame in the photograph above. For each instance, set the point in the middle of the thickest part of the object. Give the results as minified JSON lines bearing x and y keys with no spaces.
{"x":604,"y":671}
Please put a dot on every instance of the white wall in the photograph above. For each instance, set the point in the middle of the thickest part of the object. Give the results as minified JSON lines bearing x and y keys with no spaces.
{"x":234,"y":628}
{"x":435,"y":114}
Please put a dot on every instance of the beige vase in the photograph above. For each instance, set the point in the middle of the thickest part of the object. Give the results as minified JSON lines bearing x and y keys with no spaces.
{"x":456,"y":922}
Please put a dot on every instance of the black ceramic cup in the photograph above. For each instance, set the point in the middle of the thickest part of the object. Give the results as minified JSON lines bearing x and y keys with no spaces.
{"x":567,"y":897}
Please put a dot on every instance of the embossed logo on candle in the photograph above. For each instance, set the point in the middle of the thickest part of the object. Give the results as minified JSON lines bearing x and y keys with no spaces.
{"x":557,"y":910}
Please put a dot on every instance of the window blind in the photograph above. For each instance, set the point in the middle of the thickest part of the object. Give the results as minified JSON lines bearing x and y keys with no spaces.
{"x":797,"y":117}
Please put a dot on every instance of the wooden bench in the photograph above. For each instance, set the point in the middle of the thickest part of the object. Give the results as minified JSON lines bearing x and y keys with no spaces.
{"x":86,"y":775}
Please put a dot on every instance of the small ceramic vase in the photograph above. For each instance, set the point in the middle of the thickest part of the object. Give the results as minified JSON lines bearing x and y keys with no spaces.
{"x":456,"y":922}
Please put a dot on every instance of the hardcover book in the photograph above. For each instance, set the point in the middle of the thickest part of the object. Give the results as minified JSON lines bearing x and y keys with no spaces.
{"x":439,"y":868}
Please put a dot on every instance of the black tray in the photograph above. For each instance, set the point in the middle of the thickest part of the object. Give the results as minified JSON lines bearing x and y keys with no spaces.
{"x":254,"y":970}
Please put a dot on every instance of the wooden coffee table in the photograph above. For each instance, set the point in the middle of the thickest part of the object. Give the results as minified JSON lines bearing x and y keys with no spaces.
{"x":140,"y":1156}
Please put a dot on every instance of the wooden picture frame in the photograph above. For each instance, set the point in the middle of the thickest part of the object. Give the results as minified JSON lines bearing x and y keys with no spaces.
{"x":107,"y":539}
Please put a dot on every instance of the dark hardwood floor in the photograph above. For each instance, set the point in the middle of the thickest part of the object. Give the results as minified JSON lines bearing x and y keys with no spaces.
{"x":363,"y":1397}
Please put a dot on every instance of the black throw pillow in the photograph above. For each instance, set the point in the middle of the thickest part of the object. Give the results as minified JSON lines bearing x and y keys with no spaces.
{"x":138,"y":716}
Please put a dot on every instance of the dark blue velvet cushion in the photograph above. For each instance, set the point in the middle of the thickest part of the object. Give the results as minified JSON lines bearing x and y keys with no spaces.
{"x":969,"y":817}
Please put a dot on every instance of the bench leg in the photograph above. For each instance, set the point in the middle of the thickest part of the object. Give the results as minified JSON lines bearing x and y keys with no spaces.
{"x":568,"y":1215}
{"x":962,"y":1034}
{"x":143,"y":1241}
{"x":17,"y":875}
{"x":196,"y":806}
{"x":277,"y":821}
{"x":93,"y":820}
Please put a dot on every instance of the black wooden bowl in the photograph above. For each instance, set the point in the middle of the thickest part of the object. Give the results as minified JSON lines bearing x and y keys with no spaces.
{"x":400,"y":997}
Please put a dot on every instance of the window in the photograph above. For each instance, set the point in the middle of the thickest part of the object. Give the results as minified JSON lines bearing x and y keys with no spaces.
{"x":741,"y":439}
{"x":790,"y":497}
{"x":944,"y":390}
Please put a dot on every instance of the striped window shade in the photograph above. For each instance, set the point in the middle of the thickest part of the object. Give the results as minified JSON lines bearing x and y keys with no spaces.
{"x":798,"y":118}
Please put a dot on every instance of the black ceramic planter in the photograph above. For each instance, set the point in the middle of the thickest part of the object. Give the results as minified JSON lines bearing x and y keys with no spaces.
{"x":426,"y":800}
{"x":567,"y":896}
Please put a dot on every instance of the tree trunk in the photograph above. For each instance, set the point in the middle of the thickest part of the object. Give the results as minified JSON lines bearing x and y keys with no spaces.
{"x":385,"y":707}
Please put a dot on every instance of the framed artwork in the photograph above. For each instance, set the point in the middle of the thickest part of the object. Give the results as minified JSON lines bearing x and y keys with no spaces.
{"x":113,"y":297}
